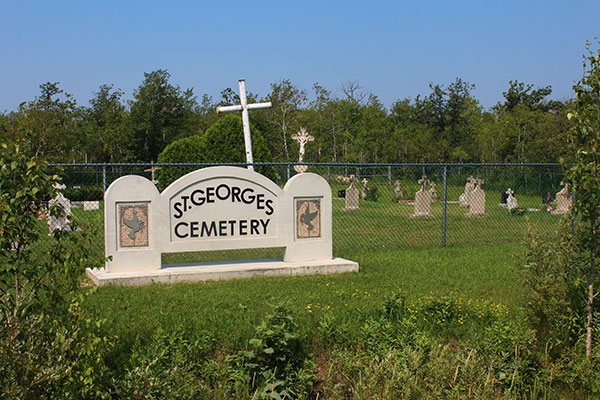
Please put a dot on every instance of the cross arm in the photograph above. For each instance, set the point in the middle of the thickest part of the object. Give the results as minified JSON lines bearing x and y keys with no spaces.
{"x":222,"y":109}
{"x":257,"y":106}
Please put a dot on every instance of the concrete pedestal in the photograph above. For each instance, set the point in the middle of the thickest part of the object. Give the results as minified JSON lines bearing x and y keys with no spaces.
{"x":223,"y":270}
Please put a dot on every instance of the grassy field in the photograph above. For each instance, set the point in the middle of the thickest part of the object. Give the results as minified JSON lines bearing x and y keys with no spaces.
{"x":230,"y":309}
{"x":417,"y":321}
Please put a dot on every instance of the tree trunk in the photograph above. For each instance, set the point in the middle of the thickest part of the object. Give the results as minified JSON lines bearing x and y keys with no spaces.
{"x":590,"y":299}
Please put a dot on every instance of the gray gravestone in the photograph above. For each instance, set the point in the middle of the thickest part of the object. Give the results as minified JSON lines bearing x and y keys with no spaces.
{"x":352,"y":195}
{"x":398,"y":192}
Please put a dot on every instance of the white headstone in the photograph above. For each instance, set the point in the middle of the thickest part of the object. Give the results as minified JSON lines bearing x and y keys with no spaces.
{"x":423,"y":199}
{"x":511,"y":201}
{"x":564,"y":202}
{"x":61,"y":221}
{"x":466,"y":196}
{"x":477,"y":200}
{"x":91,"y":205}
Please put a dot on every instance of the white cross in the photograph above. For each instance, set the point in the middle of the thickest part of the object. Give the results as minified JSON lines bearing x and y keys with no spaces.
{"x":244,"y":107}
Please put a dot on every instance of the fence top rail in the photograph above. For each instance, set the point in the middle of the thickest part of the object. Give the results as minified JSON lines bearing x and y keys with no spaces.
{"x":316,"y":164}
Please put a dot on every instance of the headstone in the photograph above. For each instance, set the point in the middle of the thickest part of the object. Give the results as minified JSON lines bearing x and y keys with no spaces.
{"x":216,"y":208}
{"x":465,"y":197}
{"x":511,"y":202}
{"x":60,"y":222}
{"x":398,"y":192}
{"x":564,"y":201}
{"x":302,"y":137}
{"x":365,"y":189}
{"x":91,"y":205}
{"x":477,"y":200}
{"x":352,"y":195}
{"x":423,"y":199}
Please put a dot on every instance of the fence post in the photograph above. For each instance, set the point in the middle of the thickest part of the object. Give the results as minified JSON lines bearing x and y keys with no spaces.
{"x":104,"y":177}
{"x":389,"y":174}
{"x":288,"y":171}
{"x":444,"y":209}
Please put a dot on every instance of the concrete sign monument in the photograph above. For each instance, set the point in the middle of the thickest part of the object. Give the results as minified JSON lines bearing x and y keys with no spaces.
{"x":217,"y":208}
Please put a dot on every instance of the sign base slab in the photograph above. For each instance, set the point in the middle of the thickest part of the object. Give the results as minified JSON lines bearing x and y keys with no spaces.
{"x":222,"y":270}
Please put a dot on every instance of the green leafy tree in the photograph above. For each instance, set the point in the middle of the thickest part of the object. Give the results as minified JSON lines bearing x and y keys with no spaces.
{"x":453,"y":117}
{"x":53,"y":122}
{"x":160,"y":114}
{"x":410,"y":137}
{"x":286,"y":100}
{"x":520,"y":94}
{"x":582,"y":169}
{"x":106,"y":126}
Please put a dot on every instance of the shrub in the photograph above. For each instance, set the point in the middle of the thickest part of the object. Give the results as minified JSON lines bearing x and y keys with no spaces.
{"x":47,"y":348}
{"x":187,"y":150}
{"x":223,"y":142}
{"x":275,"y":360}
{"x":88,"y":193}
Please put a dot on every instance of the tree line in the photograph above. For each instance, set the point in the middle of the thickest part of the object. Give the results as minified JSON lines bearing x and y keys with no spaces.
{"x":446,"y":125}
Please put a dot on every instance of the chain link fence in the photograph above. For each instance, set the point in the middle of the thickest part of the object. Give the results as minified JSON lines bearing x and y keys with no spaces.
{"x":386,"y":216}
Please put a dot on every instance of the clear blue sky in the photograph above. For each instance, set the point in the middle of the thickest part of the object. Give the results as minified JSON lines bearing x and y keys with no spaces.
{"x":394,"y":48}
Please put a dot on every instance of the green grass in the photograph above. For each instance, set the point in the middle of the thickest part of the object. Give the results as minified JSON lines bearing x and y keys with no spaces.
{"x":229,"y":310}
{"x":395,"y":253}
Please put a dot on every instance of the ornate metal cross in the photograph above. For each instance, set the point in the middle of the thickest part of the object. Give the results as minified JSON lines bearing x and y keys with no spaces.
{"x":244,"y":107}
{"x":302,"y":137}
{"x":424,"y":181}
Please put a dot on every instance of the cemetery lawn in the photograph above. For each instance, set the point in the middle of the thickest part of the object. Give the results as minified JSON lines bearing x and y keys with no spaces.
{"x":228,"y":311}
{"x":396,"y":254}
{"x":406,"y":326}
